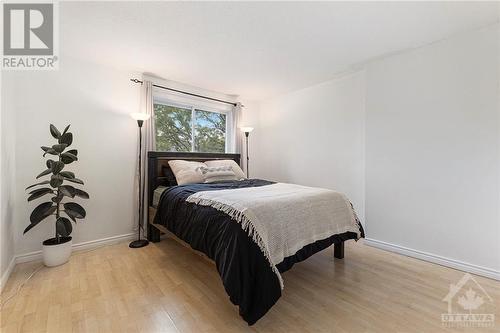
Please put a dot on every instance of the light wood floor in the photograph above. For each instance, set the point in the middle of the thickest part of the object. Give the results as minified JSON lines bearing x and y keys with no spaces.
{"x":166,"y":288}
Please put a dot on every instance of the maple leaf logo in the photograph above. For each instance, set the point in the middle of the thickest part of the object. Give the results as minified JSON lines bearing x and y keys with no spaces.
{"x":470,"y":301}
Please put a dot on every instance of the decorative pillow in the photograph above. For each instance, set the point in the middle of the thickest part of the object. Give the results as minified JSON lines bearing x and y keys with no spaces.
{"x":186,"y":172}
{"x":236,"y":168}
{"x":215,"y":174}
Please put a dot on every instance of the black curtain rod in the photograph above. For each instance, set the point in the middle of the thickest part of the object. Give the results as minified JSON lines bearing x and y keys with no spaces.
{"x":188,"y":93}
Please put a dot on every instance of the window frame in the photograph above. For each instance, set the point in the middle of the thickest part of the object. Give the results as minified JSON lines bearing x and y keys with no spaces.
{"x":200,"y":107}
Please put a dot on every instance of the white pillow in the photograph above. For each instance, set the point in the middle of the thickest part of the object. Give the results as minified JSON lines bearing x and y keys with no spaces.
{"x":236,"y":168}
{"x":215,"y":174}
{"x":187,"y":172}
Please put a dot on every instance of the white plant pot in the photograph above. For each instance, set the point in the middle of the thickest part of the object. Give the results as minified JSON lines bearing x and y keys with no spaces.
{"x":56,"y":254}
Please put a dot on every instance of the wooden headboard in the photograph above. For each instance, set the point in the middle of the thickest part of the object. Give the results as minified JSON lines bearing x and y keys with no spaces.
{"x":160,"y":174}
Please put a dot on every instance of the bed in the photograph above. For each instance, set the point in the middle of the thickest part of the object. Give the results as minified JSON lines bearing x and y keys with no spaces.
{"x":249,"y":269}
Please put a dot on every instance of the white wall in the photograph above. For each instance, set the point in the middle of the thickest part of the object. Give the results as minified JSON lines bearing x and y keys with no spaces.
{"x":96,"y":101}
{"x":427,"y":139}
{"x":314,"y":137}
{"x":432,"y":149}
{"x":7,"y":175}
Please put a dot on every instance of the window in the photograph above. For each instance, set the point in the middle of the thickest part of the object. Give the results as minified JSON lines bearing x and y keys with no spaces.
{"x":184,"y":128}
{"x":209,"y":132}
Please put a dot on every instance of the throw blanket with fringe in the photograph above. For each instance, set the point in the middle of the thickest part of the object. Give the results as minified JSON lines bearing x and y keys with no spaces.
{"x":283,"y":218}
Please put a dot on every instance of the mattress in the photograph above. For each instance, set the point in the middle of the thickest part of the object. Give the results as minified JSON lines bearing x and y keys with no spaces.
{"x":157,"y":195}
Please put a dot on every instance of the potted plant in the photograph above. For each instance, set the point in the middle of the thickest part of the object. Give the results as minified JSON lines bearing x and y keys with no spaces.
{"x":56,"y":251}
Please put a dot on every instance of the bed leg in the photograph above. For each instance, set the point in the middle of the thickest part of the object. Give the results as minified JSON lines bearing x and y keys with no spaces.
{"x":338,"y":250}
{"x":153,"y":233}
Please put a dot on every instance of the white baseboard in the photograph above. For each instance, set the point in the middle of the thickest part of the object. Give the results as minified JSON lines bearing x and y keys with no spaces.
{"x":37,"y":255}
{"x":6,"y":274}
{"x":460,"y":265}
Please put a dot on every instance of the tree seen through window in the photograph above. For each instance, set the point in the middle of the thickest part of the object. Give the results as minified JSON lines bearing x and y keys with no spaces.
{"x":175,"y":125}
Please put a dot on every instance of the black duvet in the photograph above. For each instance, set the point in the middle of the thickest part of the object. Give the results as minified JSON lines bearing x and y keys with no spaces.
{"x":246,"y":275}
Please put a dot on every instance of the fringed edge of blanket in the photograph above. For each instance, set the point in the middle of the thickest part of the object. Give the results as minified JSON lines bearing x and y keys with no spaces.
{"x":246,"y":225}
{"x":358,"y":222}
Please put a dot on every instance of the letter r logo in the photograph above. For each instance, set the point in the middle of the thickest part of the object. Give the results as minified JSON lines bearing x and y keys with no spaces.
{"x":28,"y":29}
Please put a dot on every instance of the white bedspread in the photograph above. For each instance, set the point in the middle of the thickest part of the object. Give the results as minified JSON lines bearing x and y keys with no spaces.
{"x":283,"y":218}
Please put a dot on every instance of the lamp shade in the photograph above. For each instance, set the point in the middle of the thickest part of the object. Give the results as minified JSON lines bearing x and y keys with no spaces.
{"x":140,"y":116}
{"x":246,"y":129}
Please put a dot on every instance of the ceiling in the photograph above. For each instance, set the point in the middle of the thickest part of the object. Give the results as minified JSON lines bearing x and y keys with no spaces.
{"x":260,"y":49}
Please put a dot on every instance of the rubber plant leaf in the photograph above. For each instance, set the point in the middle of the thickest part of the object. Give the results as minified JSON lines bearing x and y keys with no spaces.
{"x":74,"y":210}
{"x":56,"y":180}
{"x":59,"y":147}
{"x":67,"y":190}
{"x":81,"y":193}
{"x":67,"y":139}
{"x":43,"y":173}
{"x":41,"y":212}
{"x":40,"y":192}
{"x":57,"y":167}
{"x":66,"y":129}
{"x":49,"y":164}
{"x":54,"y":132}
{"x":75,"y":180}
{"x":68,"y":157}
{"x":63,"y":227}
{"x":67,"y":174}
{"x":45,"y":182}
{"x":51,"y":152}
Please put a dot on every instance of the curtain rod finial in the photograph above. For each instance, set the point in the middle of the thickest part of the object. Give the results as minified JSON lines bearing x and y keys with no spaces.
{"x":136,"y":81}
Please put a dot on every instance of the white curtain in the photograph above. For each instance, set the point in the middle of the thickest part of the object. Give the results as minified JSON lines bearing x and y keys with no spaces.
{"x":148,"y":144}
{"x":237,"y":135}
